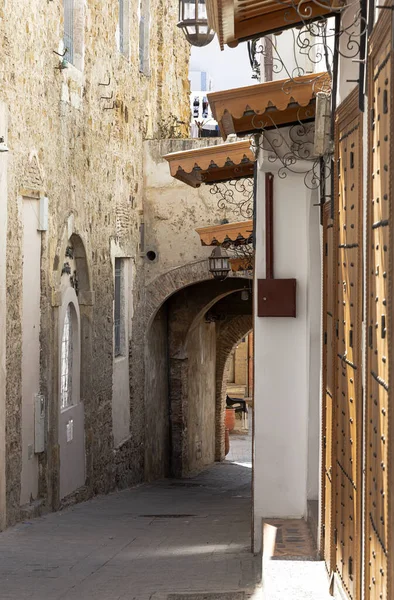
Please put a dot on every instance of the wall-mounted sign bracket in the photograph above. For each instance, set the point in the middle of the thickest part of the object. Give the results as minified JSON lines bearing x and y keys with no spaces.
{"x":275,"y":297}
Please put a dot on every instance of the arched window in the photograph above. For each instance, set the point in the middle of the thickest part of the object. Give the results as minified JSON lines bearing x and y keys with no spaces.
{"x":66,"y":361}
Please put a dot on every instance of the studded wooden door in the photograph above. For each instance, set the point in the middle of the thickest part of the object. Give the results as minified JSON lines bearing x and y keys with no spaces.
{"x":328,"y":385}
{"x":348,"y":413}
{"x":378,"y":573}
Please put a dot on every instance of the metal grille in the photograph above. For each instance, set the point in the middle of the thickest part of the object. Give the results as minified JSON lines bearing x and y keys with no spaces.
{"x":348,"y":338}
{"x":66,"y":362}
{"x":142,"y":44}
{"x":121,"y":26}
{"x":118,"y":307}
{"x":328,"y":384}
{"x":68,"y":7}
{"x":378,"y":577}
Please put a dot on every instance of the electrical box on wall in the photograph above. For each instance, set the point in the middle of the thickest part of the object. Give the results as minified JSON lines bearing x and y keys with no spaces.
{"x":39,"y":423}
{"x":276,"y":297}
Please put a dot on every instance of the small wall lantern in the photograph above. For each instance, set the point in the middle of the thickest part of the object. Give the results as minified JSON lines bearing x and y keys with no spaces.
{"x":193,"y":21}
{"x":219,"y":263}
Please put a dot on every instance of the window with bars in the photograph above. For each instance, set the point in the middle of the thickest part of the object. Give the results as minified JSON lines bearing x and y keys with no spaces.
{"x":121,"y":26}
{"x":66,"y":361}
{"x":68,"y":7}
{"x":119,"y":308}
{"x":144,"y":37}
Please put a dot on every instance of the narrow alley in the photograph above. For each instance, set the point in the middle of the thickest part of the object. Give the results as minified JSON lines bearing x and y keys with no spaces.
{"x":148,"y":542}
{"x":171,"y":540}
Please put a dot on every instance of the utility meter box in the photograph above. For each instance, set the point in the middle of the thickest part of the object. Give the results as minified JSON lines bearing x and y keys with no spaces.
{"x":39,"y":423}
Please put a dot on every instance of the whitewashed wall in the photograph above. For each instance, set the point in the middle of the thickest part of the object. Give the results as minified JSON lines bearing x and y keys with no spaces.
{"x":287,"y":394}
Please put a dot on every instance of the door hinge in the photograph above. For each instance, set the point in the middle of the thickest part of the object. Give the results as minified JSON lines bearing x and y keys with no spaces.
{"x":325,"y":337}
{"x":350,"y":566}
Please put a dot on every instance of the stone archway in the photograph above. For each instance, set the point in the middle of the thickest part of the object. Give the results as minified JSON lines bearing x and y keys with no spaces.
{"x":229,"y":334}
{"x":175,"y":326}
{"x":167,"y":284}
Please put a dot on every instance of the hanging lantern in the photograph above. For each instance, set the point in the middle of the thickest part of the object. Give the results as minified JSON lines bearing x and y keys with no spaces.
{"x":193,"y":21}
{"x":219,"y":263}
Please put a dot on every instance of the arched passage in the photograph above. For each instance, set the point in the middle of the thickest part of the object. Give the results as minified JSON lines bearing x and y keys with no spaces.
{"x":230,"y":333}
{"x":180,"y":374}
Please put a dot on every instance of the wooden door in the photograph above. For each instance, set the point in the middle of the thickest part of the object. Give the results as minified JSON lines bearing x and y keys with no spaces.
{"x":379,"y":355}
{"x":348,"y":413}
{"x":328,"y":386}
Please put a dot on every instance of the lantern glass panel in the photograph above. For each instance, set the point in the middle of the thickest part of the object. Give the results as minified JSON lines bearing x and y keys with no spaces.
{"x":189,"y":10}
{"x":202,"y":10}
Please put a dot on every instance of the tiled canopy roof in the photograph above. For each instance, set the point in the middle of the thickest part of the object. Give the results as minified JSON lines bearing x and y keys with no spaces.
{"x":238,"y":20}
{"x":229,"y":232}
{"x":267,"y":105}
{"x":212,"y":164}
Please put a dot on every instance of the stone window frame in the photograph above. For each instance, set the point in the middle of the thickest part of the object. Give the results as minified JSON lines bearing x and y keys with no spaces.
{"x":144,"y":37}
{"x":120,"y":316}
{"x":74,"y":32}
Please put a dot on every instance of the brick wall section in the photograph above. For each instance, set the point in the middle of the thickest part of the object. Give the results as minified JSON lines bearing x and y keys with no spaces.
{"x":228,"y":335}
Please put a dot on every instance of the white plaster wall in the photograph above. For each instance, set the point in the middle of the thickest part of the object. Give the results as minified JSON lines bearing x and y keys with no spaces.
{"x":120,"y":380}
{"x":348,"y":71}
{"x":30,"y":345}
{"x":282,"y":360}
{"x":3,"y":238}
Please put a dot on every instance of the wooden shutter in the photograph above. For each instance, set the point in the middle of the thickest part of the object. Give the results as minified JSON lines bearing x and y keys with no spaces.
{"x":68,"y":7}
{"x":328,"y":385}
{"x":348,"y":414}
{"x":379,"y":355}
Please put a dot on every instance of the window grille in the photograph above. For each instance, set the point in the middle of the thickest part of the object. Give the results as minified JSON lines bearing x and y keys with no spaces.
{"x":121,"y":26}
{"x":144,"y":37}
{"x":68,"y":7}
{"x":142,"y":43}
{"x":118,"y":307}
{"x":66,"y":362}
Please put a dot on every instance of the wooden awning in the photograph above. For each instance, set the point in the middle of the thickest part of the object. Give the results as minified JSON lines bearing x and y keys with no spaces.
{"x":212,"y":164}
{"x":268,"y":105}
{"x":238,"y":20}
{"x":215,"y":235}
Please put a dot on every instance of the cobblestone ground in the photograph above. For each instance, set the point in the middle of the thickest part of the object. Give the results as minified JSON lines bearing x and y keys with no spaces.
{"x":187,"y":539}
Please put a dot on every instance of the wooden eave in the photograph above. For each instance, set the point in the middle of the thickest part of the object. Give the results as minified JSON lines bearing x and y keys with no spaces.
{"x":212,"y":164}
{"x":267,"y":105}
{"x":240,"y":20}
{"x":239,"y":233}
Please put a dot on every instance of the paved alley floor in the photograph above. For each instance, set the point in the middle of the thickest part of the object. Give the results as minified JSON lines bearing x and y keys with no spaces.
{"x":172,"y":540}
{"x":143,"y":543}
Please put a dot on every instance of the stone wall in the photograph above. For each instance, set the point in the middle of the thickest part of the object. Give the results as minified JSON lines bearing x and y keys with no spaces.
{"x":201,"y":350}
{"x":84,"y":153}
{"x":157,"y":407}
